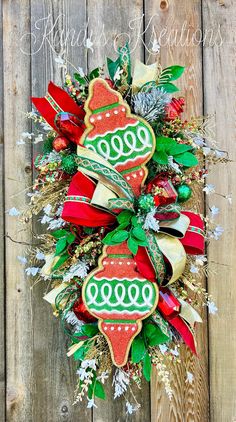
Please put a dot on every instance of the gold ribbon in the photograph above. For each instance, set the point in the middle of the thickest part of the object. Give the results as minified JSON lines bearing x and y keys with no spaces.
{"x":189,"y":313}
{"x":170,"y":246}
{"x":143,"y":74}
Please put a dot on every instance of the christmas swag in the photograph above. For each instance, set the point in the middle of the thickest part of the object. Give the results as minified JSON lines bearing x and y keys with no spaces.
{"x":125,"y":242}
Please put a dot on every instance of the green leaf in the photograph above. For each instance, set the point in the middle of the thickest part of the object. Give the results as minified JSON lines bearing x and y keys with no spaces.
{"x":120,"y":236}
{"x":94,"y":74}
{"x":134,"y":221}
{"x":80,"y":79}
{"x":59,"y":233}
{"x":70,"y":238}
{"x":139,"y":233}
{"x":172,"y":72}
{"x":138,"y":349}
{"x":132,"y":245}
{"x":154,"y":334}
{"x":79,"y":354}
{"x":187,"y":159}
{"x":91,"y":388}
{"x":147,"y":367}
{"x":179,"y":149}
{"x":63,"y":258}
{"x":160,"y":157}
{"x":60,"y":246}
{"x":169,"y":87}
{"x":99,"y":390}
{"x":107,"y":240}
{"x":112,"y":66}
{"x":124,"y":216}
{"x":164,"y":143}
{"x":89,"y":330}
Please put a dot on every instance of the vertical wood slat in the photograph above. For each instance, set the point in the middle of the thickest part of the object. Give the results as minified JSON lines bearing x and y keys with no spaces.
{"x":115,"y":19}
{"x":168,"y":18}
{"x":19,"y":311}
{"x":219,"y":100}
{"x":56,"y":389}
{"x":2,"y":281}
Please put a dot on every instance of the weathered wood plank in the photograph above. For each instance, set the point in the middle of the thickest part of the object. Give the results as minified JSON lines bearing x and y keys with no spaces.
{"x":107,"y":20}
{"x":19,"y":354}
{"x":219,"y":99}
{"x":57,"y":22}
{"x":174,"y":23}
{"x":2,"y":281}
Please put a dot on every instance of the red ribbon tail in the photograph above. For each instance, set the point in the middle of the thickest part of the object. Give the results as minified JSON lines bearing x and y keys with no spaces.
{"x":185,"y":332}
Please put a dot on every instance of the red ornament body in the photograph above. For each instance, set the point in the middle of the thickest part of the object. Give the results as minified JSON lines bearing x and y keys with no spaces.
{"x":81,"y":311}
{"x":174,"y":108}
{"x":60,"y":143}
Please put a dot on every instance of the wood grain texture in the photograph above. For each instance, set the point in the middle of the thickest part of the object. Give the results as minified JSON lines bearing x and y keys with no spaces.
{"x":19,"y":312}
{"x":174,"y":25}
{"x":54,"y":38}
{"x":2,"y":281}
{"x":219,"y":100}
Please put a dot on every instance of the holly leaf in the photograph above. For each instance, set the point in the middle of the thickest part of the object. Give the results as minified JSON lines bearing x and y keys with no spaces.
{"x":89,"y":330}
{"x":169,"y":87}
{"x":80,"y":79}
{"x":138,"y":349}
{"x":139,"y":233}
{"x":132,"y":245}
{"x":179,"y":149}
{"x":99,"y":390}
{"x":120,"y":236}
{"x":147,"y":367}
{"x":154,"y":334}
{"x":124,"y":216}
{"x":164,"y":143}
{"x":160,"y":157}
{"x":187,"y":159}
{"x":60,"y":246}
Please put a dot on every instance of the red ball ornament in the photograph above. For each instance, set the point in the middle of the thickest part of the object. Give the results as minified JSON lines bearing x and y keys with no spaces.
{"x":174,"y":108}
{"x":60,"y":143}
{"x":81,"y":311}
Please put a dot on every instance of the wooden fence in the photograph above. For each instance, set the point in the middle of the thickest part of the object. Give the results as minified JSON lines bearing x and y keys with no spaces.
{"x":36,"y":379}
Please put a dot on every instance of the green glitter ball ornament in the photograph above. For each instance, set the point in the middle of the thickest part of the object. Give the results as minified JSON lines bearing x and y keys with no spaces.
{"x":68,"y":164}
{"x":146,"y":202}
{"x":184,"y":192}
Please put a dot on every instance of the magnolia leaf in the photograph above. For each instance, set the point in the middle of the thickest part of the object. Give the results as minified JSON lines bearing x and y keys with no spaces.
{"x":171,"y":73}
{"x":99,"y":390}
{"x":89,"y":330}
{"x":60,"y":246}
{"x":154,"y":334}
{"x":139,"y":233}
{"x":132,"y":245}
{"x":59,"y":233}
{"x":160,"y":157}
{"x":124,"y":216}
{"x":70,"y":238}
{"x":63,"y":258}
{"x":169,"y":87}
{"x":147,"y":367}
{"x":112,"y":66}
{"x":187,"y":159}
{"x":95,"y":73}
{"x":107,"y":240}
{"x":163,"y":143}
{"x":138,"y":349}
{"x":120,"y":236}
{"x":134,"y":221}
{"x":80,"y":79}
{"x":179,"y":149}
